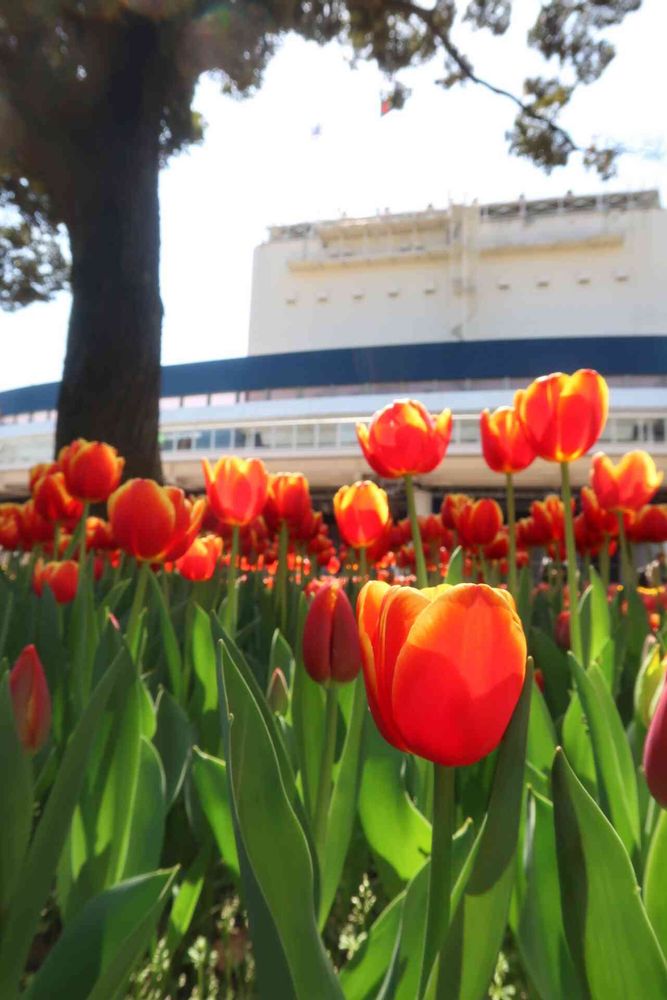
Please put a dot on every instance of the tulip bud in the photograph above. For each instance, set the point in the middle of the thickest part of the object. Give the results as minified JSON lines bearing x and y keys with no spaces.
{"x":31,"y":699}
{"x":655,"y":752}
{"x":278,"y":696}
{"x":649,"y":679}
{"x":330,"y":643}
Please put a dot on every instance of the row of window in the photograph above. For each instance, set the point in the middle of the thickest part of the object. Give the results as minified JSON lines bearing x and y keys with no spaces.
{"x":336,"y":436}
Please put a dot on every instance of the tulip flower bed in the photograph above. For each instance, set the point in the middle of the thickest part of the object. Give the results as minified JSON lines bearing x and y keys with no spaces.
{"x":241,"y":760}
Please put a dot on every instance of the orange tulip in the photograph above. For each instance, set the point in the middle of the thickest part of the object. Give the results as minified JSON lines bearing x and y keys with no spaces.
{"x":152,"y":522}
{"x":288,"y":500}
{"x":30,"y":699}
{"x":92,"y":469}
{"x":505,"y":444}
{"x":564,"y":415}
{"x":330,"y":642}
{"x":53,"y":501}
{"x":200,"y":560}
{"x":362,"y":513}
{"x":479,"y":522}
{"x":629,"y":484}
{"x":443,"y":667}
{"x":404,"y":439}
{"x":61,"y":577}
{"x":236,"y":488}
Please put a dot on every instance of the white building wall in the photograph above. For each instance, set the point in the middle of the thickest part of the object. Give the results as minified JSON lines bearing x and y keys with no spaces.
{"x":462,"y":274}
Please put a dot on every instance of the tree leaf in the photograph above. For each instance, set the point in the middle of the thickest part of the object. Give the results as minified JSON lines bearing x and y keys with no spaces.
{"x":611,"y":940}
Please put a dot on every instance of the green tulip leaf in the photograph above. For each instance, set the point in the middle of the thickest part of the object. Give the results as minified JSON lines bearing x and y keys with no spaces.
{"x":35,"y":878}
{"x":16,"y":792}
{"x":455,"y":567}
{"x":149,"y":813}
{"x":96,"y":953}
{"x":173,"y":739}
{"x":615,"y":769}
{"x":172,"y":651}
{"x":210,"y":778}
{"x":611,"y":940}
{"x":655,"y":881}
{"x":275,"y":858}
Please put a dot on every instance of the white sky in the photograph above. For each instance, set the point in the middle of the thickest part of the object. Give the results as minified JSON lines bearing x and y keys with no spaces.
{"x":259,"y":165}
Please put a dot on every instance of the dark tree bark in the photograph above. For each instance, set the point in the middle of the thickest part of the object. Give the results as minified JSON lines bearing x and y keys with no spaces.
{"x":111,"y":380}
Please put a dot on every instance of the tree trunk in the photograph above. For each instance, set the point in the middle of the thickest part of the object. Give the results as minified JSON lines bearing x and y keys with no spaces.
{"x":111,"y":380}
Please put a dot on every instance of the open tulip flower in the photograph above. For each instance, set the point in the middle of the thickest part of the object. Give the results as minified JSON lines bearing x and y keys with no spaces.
{"x":404,"y":439}
{"x":564,"y":415}
{"x":443,"y":667}
{"x":151,"y":522}
{"x":479,"y":522}
{"x":629,"y":484}
{"x":200,"y":560}
{"x":53,"y":501}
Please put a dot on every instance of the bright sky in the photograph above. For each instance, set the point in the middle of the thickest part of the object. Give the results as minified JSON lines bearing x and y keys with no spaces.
{"x":260,"y":165}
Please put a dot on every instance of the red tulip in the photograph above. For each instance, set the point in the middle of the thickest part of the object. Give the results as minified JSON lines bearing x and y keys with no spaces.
{"x":201,"y":558}
{"x":505,"y":444}
{"x":236,"y":488}
{"x":650,"y":525}
{"x":61,"y":577}
{"x":11,"y":526}
{"x":288,"y":500}
{"x":629,"y":484}
{"x":153,"y":523}
{"x":443,"y":667}
{"x":330,"y":642}
{"x":92,"y":469}
{"x":452,"y":505}
{"x":362,"y":513}
{"x":564,"y":415}
{"x":601,"y":521}
{"x":403,"y":439}
{"x":52,"y":500}
{"x":30,"y":699}
{"x":479,"y":522}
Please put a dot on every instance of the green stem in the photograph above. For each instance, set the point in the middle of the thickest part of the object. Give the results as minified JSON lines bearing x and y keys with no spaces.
{"x":281,"y":576}
{"x":82,"y":536}
{"x":570,"y":548}
{"x":321,"y":818}
{"x":627,"y":569}
{"x":132,"y":634}
{"x":511,"y":534}
{"x":440,"y":876}
{"x":603,"y":561}
{"x":363,"y":567}
{"x":420,"y":561}
{"x":232,"y":594}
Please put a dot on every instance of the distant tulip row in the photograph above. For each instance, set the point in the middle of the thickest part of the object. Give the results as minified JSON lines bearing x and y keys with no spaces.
{"x":272,"y":692}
